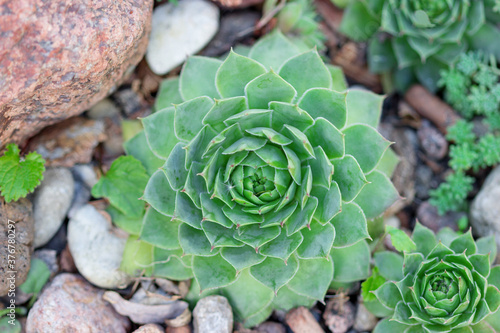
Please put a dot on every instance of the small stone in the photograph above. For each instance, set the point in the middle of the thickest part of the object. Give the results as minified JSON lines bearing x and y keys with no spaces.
{"x":428,"y":215}
{"x":271,"y":327}
{"x":85,"y":178}
{"x":103,"y":109}
{"x":21,"y":213}
{"x":339,"y":315}
{"x":424,"y":181}
{"x":178,"y":31}
{"x":432,"y":141}
{"x":150,"y":328}
{"x":51,"y":202}
{"x":364,"y":321}
{"x":49,"y":257}
{"x":86,"y":174}
{"x":70,"y":304}
{"x":131,"y":102}
{"x":69,"y":142}
{"x":485,"y":211}
{"x":301,"y":320}
{"x":97,"y":248}
{"x":213,"y":314}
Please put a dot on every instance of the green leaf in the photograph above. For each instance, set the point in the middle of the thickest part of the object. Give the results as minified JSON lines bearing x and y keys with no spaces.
{"x":285,"y":113}
{"x":381,"y":56}
{"x":194,"y":241}
{"x":241,"y":257}
{"x":378,"y":195}
{"x":326,"y":103}
{"x":275,"y":273}
{"x":19,"y":176}
{"x":424,"y":238}
{"x":388,"y":326}
{"x":481,"y":40}
{"x":412,"y":262}
{"x":487,"y":245}
{"x":301,"y":217}
{"x":351,"y":263}
{"x":388,"y":163}
{"x":329,"y":202}
{"x":247,"y":295}
{"x":313,"y":278}
{"x":138,"y":147}
{"x":321,"y":168}
{"x":400,"y":240}
{"x":349,"y":177}
{"x":405,"y":54}
{"x":171,"y":267}
{"x":366,"y":145}
{"x":159,"y":194}
{"x":494,"y":277}
{"x":160,"y":133}
{"x":137,"y":257}
{"x":241,"y":218}
{"x":255,"y":236}
{"x":364,"y":107}
{"x":388,"y":294}
{"x":174,"y":167}
{"x":168,"y":94}
{"x":481,"y":263}
{"x":323,"y":134}
{"x":390,"y":265}
{"x":339,"y":83}
{"x":9,"y":326}
{"x":132,"y":225}
{"x":123,"y":185}
{"x":317,"y":242}
{"x":371,"y":284}
{"x":38,"y":275}
{"x":160,"y":230}
{"x":350,"y":226}
{"x":234,"y":74}
{"x":463,"y":243}
{"x":223,"y":109}
{"x":358,"y":22}
{"x":282,"y":246}
{"x":186,"y":210}
{"x":266,"y":88}
{"x":273,"y":50}
{"x":213,"y":272}
{"x":198,"y":77}
{"x":306,"y":71}
{"x":300,"y":145}
{"x":189,"y":115}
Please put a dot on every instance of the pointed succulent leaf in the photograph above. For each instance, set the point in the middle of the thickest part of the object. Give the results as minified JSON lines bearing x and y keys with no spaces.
{"x":388,"y":326}
{"x":168,"y":94}
{"x":283,"y":246}
{"x":301,"y":218}
{"x":358,"y":22}
{"x":285,"y":113}
{"x":213,"y":272}
{"x":159,"y":194}
{"x":138,"y":147}
{"x":363,"y":107}
{"x":275,"y":273}
{"x":463,"y":243}
{"x":174,"y":167}
{"x":350,"y":226}
{"x":366,"y":145}
{"x":223,"y":109}
{"x":198,"y":77}
{"x":351,"y":263}
{"x":317,"y":242}
{"x":349,"y":176}
{"x":266,"y":88}
{"x":388,"y":294}
{"x":194,"y":241}
{"x":242,"y":257}
{"x":323,"y":134}
{"x":189,"y":115}
{"x":313,"y":278}
{"x":234,"y":74}
{"x":255,"y":236}
{"x":160,"y":230}
{"x":321,"y":168}
{"x":160,"y":133}
{"x":487,"y":245}
{"x":379,"y":186}
{"x":329,"y":202}
{"x":137,"y":257}
{"x":273,"y":50}
{"x":390,"y":265}
{"x":400,"y":240}
{"x":326,"y":103}
{"x":306,"y":71}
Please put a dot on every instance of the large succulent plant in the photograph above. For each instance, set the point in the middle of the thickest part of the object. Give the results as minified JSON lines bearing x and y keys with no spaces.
{"x":441,"y":286}
{"x":416,"y":39}
{"x":269,"y":176}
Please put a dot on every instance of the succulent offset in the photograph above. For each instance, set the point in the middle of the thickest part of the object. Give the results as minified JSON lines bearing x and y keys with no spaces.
{"x":442,"y":286}
{"x":416,"y":39}
{"x":269,"y":176}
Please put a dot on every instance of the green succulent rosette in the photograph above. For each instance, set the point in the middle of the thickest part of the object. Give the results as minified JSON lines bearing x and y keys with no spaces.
{"x":442,"y":286}
{"x":268,"y":174}
{"x":414,"y":40}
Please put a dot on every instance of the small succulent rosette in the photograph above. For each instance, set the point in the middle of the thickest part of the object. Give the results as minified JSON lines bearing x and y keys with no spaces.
{"x":447,"y":284}
{"x":269,"y":171}
{"x":416,"y":39}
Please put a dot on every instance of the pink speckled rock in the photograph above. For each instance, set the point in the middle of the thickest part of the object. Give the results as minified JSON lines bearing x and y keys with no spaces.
{"x":59,"y":57}
{"x":71,"y":304}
